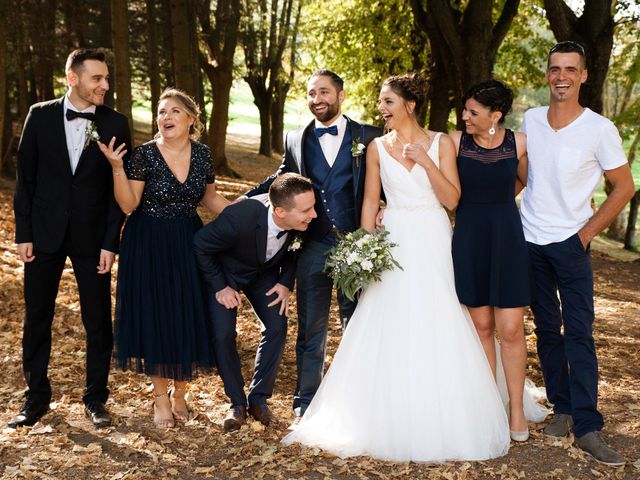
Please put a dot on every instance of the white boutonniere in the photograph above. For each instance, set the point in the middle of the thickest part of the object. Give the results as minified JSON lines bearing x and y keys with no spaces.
{"x":295,"y":244}
{"x":91,"y":134}
{"x":357,"y":148}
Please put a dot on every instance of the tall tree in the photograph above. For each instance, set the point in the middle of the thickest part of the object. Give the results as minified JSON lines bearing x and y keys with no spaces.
{"x":464,"y":41}
{"x":221,"y":39}
{"x":153,"y":66}
{"x":122,"y":74}
{"x":185,"y":53}
{"x":594,"y":29}
{"x":281,"y":87}
{"x":265,"y":33}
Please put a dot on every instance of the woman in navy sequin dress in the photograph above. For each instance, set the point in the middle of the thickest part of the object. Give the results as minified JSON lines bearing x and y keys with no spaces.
{"x":160,"y":323}
{"x":490,"y":256}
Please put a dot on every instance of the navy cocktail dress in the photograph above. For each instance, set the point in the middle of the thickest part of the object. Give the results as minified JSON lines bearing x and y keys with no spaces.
{"x":490,"y":256}
{"x":161,"y":323}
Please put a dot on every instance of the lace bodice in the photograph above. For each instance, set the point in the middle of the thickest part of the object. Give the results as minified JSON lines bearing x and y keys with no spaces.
{"x":408,"y":189}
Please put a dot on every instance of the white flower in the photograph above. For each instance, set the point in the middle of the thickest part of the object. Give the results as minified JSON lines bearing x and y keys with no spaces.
{"x":357,"y":148}
{"x":352,"y":258}
{"x":367,"y":265}
{"x":91,"y":134}
{"x":295,"y":244}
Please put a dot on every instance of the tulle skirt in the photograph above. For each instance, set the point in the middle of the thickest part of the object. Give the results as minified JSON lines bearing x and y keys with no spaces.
{"x":410,"y":380}
{"x":161,"y":326}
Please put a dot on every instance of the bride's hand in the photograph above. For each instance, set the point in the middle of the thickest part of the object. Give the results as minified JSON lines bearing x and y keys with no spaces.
{"x":114,"y":156}
{"x":417,"y":153}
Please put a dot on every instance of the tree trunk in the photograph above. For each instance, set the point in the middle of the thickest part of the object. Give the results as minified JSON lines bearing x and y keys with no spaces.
{"x":630,"y":234}
{"x":463,"y":42}
{"x":73,"y":24}
{"x":122,"y":74}
{"x":263,"y":99}
{"x":280,"y":90}
{"x":221,"y":81}
{"x":184,"y":67}
{"x":221,"y":43}
{"x":153,"y":66}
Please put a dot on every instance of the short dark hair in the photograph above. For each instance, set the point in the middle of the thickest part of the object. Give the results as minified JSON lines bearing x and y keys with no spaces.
{"x":493,"y":94}
{"x":78,"y":57}
{"x":569,"y":46}
{"x":287,"y":186}
{"x":334,"y":77}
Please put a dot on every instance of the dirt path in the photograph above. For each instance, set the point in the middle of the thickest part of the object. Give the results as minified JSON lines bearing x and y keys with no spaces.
{"x":65,"y":446}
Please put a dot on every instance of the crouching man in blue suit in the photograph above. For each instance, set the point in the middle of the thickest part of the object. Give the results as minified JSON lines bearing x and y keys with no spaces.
{"x":251,"y":248}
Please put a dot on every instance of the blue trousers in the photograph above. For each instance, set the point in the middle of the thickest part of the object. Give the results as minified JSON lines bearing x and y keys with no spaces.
{"x":564,"y":327}
{"x":314,"y":299}
{"x":270,"y":348}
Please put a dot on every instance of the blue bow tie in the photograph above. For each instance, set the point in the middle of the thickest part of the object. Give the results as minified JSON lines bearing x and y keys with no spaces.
{"x":332,"y":130}
{"x":281,"y":233}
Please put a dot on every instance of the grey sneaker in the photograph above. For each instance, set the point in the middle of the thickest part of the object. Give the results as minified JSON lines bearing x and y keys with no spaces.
{"x":559,"y":425}
{"x":593,"y":444}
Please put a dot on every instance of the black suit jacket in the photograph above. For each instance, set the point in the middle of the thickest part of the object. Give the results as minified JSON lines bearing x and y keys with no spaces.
{"x":293,"y":160}
{"x":50,"y":200}
{"x":230,"y":251}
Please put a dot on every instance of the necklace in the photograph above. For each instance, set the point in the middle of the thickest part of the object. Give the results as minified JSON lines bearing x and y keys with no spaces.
{"x":399,"y":138}
{"x":176,"y":155}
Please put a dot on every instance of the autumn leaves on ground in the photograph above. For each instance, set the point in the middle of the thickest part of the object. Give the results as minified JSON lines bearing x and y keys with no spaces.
{"x":64,"y":444}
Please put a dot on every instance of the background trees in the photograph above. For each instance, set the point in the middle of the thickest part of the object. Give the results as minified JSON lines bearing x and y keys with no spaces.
{"x":274,"y":45}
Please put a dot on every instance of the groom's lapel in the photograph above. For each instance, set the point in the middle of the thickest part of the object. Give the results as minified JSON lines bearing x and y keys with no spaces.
{"x":91,"y":146}
{"x":59,"y":133}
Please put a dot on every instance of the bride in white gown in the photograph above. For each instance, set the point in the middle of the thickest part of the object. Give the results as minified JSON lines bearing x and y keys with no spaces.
{"x":410,"y":380}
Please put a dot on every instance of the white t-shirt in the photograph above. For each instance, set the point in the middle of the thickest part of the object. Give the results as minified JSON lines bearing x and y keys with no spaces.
{"x":565,"y":167}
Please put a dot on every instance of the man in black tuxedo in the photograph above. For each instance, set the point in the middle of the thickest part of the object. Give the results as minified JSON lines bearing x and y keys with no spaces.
{"x":64,"y":207}
{"x":331,"y":152}
{"x":250,"y":248}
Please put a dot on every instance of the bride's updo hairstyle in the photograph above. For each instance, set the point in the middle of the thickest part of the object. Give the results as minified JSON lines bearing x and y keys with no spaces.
{"x":411,"y":87}
{"x":493,"y":94}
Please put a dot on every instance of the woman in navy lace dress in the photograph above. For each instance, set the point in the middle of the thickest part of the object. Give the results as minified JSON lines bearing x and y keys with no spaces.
{"x":490,"y":255}
{"x":160,"y":324}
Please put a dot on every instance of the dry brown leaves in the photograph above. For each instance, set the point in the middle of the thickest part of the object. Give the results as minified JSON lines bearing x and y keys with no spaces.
{"x":65,"y":445}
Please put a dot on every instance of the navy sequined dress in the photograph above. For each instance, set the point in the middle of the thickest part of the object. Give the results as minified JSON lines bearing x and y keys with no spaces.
{"x":490,"y":256}
{"x":161,"y":323}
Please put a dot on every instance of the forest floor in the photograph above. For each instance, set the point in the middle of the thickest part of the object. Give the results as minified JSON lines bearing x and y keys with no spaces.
{"x":64,"y":445}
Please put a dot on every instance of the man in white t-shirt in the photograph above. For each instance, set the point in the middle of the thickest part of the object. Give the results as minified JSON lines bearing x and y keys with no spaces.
{"x":569,"y":147}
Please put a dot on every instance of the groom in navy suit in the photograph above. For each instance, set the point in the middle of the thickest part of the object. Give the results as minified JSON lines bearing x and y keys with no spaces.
{"x":331,"y":152}
{"x":64,"y":207}
{"x":251,"y":247}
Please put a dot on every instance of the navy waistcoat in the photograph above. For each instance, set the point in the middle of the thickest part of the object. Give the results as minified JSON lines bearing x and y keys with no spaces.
{"x":333,"y":187}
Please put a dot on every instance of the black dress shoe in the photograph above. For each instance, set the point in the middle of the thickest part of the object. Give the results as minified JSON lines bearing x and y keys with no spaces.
{"x":261,"y":413}
{"x":98,"y":414}
{"x":29,"y":414}
{"x":235,"y":418}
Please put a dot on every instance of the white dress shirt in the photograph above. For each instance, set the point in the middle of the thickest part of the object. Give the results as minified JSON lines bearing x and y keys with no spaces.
{"x":74,"y":132}
{"x":274,"y":244}
{"x":330,"y":144}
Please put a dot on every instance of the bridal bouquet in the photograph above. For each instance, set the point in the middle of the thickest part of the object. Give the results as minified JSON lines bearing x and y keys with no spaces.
{"x":358,"y":259}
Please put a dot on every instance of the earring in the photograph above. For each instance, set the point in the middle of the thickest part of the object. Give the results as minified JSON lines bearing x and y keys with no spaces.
{"x":492,"y":130}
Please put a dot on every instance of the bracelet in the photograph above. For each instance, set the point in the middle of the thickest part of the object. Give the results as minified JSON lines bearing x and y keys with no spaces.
{"x":116,"y":174}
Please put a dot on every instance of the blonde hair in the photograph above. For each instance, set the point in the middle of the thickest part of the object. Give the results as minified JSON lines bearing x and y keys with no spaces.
{"x":190,"y":106}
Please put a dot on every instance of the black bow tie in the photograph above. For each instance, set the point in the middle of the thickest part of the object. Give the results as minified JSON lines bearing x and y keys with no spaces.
{"x":332,"y":130}
{"x":281,"y":233}
{"x":72,"y":114}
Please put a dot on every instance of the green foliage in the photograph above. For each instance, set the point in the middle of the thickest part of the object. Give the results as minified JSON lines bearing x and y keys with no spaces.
{"x":362,"y":41}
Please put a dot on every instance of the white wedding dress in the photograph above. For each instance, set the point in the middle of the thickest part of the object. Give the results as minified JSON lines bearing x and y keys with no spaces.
{"x":410,"y":381}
